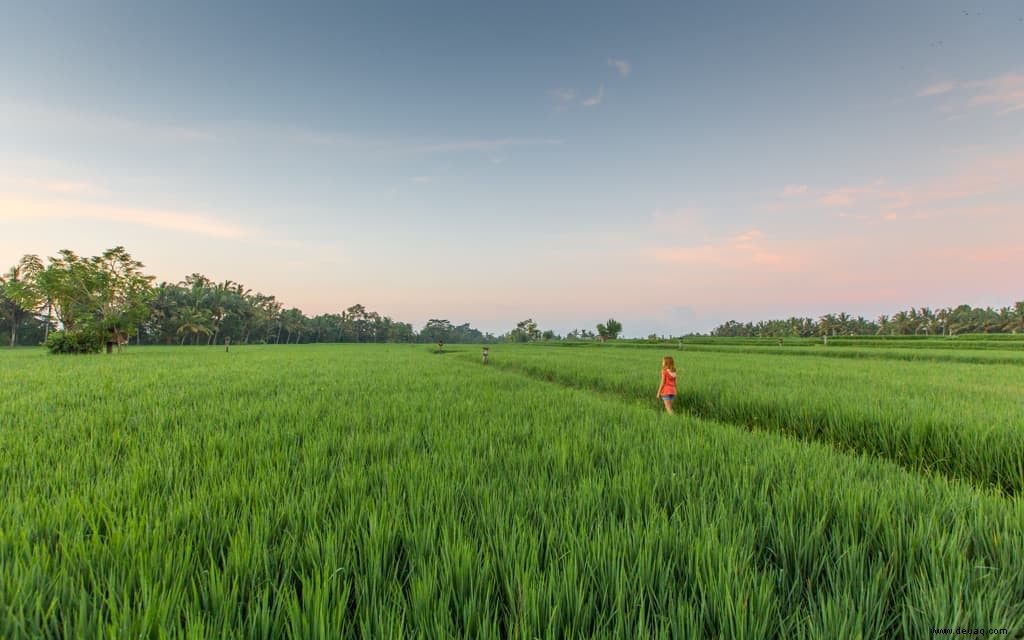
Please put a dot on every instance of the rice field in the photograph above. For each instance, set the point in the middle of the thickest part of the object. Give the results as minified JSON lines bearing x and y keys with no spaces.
{"x":952,"y":418}
{"x":390,"y":491}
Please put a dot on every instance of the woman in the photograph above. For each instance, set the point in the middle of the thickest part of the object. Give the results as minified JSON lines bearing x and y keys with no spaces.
{"x":667,"y":390}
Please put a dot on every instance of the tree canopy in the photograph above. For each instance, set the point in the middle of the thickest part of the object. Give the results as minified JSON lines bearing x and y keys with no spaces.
{"x":610,"y":330}
{"x":110,"y":298}
{"x":948,"y":321}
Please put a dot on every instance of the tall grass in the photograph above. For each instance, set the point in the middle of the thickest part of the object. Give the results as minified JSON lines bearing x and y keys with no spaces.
{"x":366,"y":491}
{"x":955,"y":419}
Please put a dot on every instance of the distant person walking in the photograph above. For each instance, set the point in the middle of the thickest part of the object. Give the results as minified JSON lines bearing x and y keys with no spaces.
{"x":667,"y":390}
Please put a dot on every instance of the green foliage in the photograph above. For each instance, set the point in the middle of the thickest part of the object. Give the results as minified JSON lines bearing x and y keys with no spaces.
{"x":525,"y":331}
{"x":610,"y":330}
{"x":106,"y":294}
{"x":75,"y":341}
{"x":912,"y":322}
{"x":290,"y":492}
{"x":20,"y":294}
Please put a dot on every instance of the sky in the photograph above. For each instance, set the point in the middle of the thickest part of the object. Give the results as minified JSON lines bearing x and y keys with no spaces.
{"x":672,"y":165}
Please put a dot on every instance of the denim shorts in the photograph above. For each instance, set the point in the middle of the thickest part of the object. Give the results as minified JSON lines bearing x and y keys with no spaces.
{"x":669,"y":398}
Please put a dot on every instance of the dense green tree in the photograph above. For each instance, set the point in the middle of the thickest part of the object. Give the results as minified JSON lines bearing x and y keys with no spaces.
{"x":122,"y":294}
{"x":20,"y":294}
{"x":437,"y":331}
{"x":610,"y":330}
{"x":525,"y":331}
{"x":107,"y":295}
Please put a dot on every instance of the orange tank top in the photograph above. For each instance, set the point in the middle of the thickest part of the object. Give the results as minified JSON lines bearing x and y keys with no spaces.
{"x":668,"y":383}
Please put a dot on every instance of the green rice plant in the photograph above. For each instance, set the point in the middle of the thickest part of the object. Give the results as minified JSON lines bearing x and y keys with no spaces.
{"x":385,"y":491}
{"x":954,"y":419}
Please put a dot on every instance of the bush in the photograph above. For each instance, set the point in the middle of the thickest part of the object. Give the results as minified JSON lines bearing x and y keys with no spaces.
{"x":83,"y":341}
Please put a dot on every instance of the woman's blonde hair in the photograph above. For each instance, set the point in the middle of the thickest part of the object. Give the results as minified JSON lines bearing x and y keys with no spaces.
{"x":668,"y":363}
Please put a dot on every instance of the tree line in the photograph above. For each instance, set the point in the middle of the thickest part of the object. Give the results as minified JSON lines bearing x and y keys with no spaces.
{"x":948,"y":321}
{"x":75,"y":304}
{"x":80,"y":304}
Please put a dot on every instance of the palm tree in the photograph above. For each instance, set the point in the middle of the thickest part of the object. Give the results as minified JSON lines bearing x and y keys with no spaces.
{"x":883,"y":324}
{"x":194,"y":323}
{"x":1006,"y":320}
{"x":827,"y":324}
{"x":218,"y":299}
{"x":900,"y":322}
{"x":291,"y":322}
{"x":927,"y":319}
{"x":843,"y":320}
{"x":943,"y":317}
{"x":914,"y":321}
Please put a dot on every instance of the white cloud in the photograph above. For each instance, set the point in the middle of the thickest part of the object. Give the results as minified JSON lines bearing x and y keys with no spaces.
{"x":595,"y":99}
{"x":562,"y":97}
{"x":107,"y":126}
{"x":480,"y":144}
{"x":792,"y":190}
{"x":621,"y":65}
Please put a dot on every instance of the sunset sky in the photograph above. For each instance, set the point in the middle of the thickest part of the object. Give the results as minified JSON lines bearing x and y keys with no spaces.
{"x":672,"y":165}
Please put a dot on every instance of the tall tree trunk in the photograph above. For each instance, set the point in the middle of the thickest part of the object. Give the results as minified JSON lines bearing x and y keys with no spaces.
{"x":46,"y":329}
{"x":14,"y":329}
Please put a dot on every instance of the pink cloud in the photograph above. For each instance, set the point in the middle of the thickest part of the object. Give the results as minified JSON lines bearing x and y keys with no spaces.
{"x":742,"y":251}
{"x":16,"y":209}
{"x":955,"y":195}
{"x":81,"y":188}
{"x":936,"y":89}
{"x":1005,"y":93}
{"x":792,"y":190}
{"x":62,"y":187}
{"x":872,"y":248}
{"x":688,"y":220}
{"x":837,"y":198}
{"x":988,"y":255}
{"x":706,"y":255}
{"x":745,"y":240}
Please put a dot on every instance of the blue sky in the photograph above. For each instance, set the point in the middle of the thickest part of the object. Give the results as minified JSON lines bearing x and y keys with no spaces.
{"x":672,"y":165}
